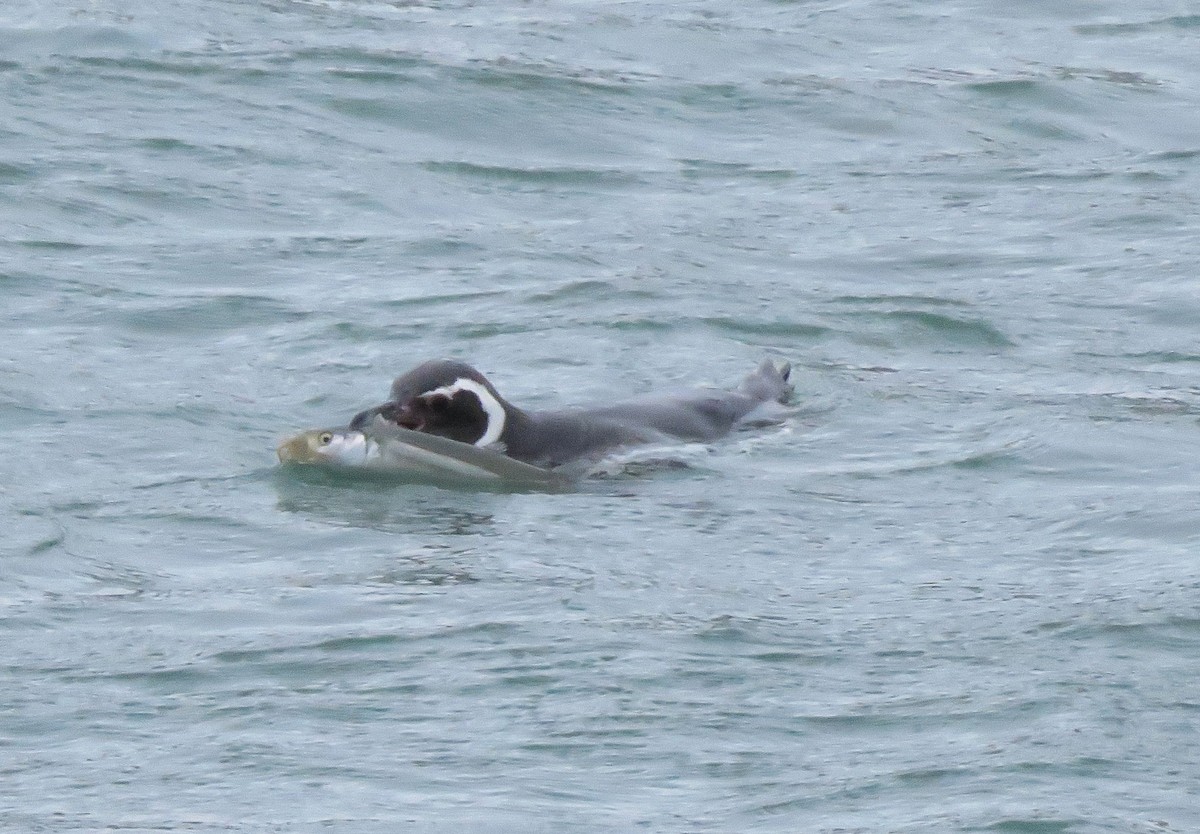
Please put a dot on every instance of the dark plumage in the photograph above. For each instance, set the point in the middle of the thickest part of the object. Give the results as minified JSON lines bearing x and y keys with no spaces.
{"x":451,"y":399}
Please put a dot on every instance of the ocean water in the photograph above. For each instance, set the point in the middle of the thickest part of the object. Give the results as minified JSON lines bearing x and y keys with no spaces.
{"x":957,"y":591}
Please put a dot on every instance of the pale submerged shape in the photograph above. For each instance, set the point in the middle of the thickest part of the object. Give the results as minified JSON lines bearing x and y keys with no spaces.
{"x":388,"y":448}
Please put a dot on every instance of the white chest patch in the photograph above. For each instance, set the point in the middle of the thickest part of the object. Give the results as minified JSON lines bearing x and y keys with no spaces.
{"x":490,"y":405}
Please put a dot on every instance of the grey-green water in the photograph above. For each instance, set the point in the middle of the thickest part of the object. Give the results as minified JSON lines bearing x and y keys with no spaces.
{"x":958,"y":591}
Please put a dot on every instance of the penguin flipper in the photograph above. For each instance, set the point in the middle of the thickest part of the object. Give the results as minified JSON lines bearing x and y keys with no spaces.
{"x":769,"y":383}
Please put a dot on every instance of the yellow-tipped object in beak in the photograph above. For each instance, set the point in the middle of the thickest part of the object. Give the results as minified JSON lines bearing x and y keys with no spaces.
{"x":349,"y":448}
{"x":387,"y":447}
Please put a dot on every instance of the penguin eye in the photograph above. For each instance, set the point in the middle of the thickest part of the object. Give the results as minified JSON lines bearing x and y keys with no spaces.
{"x":325,"y":438}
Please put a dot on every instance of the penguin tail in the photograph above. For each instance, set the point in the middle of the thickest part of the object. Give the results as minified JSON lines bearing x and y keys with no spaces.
{"x":769,"y":383}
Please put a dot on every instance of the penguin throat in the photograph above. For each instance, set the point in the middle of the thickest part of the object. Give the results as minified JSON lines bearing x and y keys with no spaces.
{"x":492,"y":408}
{"x":410,"y":421}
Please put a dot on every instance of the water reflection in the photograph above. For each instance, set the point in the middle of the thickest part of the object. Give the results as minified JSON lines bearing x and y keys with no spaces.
{"x":389,"y":505}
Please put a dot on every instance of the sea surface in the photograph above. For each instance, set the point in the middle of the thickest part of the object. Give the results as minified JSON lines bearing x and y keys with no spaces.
{"x":957,"y":590}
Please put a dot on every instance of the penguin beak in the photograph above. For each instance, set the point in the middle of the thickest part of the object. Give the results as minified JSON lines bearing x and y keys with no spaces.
{"x":401,"y":415}
{"x":364,"y":418}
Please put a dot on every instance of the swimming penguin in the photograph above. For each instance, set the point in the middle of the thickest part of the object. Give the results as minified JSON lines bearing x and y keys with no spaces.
{"x":453,"y":400}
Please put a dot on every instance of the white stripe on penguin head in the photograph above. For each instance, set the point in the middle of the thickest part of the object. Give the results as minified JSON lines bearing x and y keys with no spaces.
{"x":491,"y":407}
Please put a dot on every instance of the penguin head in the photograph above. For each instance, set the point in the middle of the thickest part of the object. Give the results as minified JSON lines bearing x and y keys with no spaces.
{"x":443,"y":397}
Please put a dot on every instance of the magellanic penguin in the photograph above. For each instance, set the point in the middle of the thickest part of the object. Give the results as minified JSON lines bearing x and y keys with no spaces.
{"x":453,"y":400}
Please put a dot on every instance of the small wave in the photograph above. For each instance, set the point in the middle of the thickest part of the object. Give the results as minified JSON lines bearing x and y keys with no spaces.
{"x":201,"y":315}
{"x":536,"y":176}
{"x":588,"y":289}
{"x":805,"y":331}
{"x":84,"y":40}
{"x":647,"y":461}
{"x":708,"y":169}
{"x":928,"y":325}
{"x":1112,"y":29}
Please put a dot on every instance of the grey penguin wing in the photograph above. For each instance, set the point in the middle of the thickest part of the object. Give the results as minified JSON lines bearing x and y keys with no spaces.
{"x":700,"y":416}
{"x":768,"y":383}
{"x":553,"y":438}
{"x":706,"y":414}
